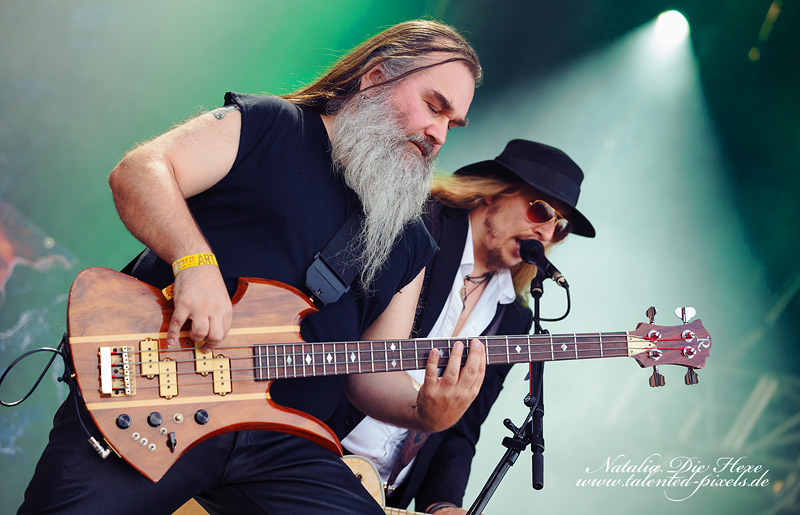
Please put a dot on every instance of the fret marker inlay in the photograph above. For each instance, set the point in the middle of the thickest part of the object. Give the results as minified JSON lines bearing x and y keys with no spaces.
{"x":564,"y":346}
{"x":308,"y":358}
{"x":329,"y":358}
{"x":288,"y":360}
{"x":353,"y":357}
{"x":518,"y":349}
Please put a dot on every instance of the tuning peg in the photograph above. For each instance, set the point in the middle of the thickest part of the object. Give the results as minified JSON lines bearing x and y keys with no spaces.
{"x":657,"y":379}
{"x":685,"y":314}
{"x":691,"y":377}
{"x":651,"y":313}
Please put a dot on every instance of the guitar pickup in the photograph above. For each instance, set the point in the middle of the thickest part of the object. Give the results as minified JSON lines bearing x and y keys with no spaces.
{"x":116,"y":378}
{"x":167,"y":379}
{"x":220,"y":369}
{"x":149,"y":357}
{"x":202,"y":362}
{"x":222,"y":376}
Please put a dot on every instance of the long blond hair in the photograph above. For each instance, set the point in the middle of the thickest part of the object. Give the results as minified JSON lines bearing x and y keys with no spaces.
{"x":470,"y":191}
{"x":399,"y":48}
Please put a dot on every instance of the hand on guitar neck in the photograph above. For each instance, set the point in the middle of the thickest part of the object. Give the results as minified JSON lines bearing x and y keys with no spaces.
{"x":440,"y":401}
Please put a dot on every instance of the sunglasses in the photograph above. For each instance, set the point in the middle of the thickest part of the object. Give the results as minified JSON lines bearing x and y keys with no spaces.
{"x":540,"y":212}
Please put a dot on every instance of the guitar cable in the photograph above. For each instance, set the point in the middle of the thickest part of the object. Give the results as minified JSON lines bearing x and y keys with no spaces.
{"x":67,"y":377}
{"x":58,"y":351}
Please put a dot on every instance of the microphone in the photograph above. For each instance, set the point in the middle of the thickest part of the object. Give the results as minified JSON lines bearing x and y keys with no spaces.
{"x":532,"y":251}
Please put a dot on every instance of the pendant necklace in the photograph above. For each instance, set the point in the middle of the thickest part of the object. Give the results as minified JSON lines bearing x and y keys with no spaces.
{"x":477,"y":281}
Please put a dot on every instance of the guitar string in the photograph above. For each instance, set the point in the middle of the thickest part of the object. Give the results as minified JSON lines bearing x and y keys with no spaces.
{"x":339,"y":350}
{"x":567,"y":355}
{"x":488,"y":341}
{"x":417,"y":360}
{"x":605,"y":345}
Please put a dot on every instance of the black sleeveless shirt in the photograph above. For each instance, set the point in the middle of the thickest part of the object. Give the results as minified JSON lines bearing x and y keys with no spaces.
{"x":280,"y":204}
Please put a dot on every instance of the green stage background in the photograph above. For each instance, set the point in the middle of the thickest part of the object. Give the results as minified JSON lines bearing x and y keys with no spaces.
{"x":691,"y":178}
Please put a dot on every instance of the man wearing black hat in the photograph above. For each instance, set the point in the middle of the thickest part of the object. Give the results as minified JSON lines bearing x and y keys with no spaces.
{"x":476,"y":285}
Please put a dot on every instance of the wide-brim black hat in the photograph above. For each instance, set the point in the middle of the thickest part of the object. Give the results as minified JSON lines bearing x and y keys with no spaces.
{"x":544,"y":168}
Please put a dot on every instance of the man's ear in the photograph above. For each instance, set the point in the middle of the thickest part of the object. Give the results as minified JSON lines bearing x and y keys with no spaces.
{"x":373,"y":76}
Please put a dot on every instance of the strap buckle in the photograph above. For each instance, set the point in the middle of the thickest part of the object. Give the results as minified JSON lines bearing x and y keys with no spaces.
{"x":323,"y":282}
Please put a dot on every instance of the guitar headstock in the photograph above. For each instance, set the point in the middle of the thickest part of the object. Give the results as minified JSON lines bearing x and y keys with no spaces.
{"x":687,"y":344}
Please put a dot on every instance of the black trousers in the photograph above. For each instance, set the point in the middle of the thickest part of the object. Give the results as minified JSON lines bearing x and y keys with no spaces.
{"x":239,"y":473}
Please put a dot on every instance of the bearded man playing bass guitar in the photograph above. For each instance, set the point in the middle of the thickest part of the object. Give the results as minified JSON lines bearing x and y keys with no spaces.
{"x":257,"y":189}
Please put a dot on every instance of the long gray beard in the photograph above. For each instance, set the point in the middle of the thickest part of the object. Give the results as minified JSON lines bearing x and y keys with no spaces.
{"x":392,"y":181}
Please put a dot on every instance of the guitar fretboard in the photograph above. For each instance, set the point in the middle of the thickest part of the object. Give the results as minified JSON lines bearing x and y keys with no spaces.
{"x":292,"y":360}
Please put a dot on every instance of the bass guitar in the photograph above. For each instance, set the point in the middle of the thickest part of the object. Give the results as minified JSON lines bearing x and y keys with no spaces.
{"x":153,"y":402}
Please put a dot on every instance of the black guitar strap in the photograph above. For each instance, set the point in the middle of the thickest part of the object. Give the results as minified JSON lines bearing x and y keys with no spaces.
{"x":334,"y":268}
{"x":328,"y":278}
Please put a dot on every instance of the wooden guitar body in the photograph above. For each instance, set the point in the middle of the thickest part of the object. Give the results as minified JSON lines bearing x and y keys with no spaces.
{"x":154,"y":405}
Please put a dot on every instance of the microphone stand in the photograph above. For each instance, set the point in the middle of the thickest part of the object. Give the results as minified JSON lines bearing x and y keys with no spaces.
{"x":530,"y":431}
{"x":535,"y":400}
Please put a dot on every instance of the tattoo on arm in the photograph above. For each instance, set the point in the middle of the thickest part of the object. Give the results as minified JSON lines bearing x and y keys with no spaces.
{"x":220,"y":113}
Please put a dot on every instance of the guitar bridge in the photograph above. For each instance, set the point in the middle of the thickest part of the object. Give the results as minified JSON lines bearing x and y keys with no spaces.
{"x":116,"y":378}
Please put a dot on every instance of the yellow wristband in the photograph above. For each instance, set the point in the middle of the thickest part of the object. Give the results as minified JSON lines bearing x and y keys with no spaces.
{"x":205,"y":258}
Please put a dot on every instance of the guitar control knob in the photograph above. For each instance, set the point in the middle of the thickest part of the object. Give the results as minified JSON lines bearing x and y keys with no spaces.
{"x":201,"y":416}
{"x":123,"y":421}
{"x":155,"y":419}
{"x":171,"y":442}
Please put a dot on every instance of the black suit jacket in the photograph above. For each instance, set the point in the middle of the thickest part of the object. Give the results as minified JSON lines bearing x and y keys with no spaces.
{"x":442,"y":466}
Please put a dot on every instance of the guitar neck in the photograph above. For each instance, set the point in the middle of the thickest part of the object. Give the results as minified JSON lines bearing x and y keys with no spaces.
{"x":293,"y":360}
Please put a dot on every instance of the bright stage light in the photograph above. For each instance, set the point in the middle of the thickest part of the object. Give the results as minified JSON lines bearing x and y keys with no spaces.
{"x":671,"y":28}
